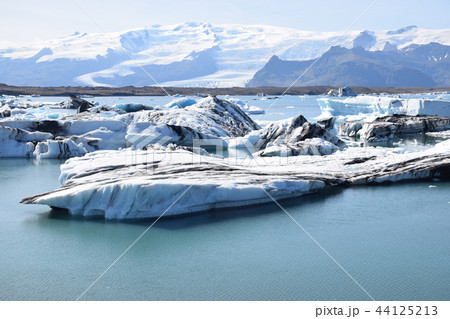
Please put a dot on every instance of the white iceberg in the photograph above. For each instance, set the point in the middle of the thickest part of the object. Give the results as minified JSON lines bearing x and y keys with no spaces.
{"x":59,"y":149}
{"x":143,"y":184}
{"x":16,"y":142}
{"x":382,"y":105}
{"x":209,"y":119}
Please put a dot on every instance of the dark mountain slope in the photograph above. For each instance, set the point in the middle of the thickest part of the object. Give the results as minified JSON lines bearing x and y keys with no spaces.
{"x":413,"y":66}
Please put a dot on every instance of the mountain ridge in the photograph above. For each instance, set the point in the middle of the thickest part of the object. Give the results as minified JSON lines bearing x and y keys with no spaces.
{"x":190,"y":54}
{"x":414,"y":66}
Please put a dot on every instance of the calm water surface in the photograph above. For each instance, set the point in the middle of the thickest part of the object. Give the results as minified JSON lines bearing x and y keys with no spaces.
{"x":393,"y":239}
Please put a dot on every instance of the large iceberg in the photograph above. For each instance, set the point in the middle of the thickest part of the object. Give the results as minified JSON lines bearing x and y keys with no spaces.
{"x":210,"y":121}
{"x":146,"y":183}
{"x":211,"y":116}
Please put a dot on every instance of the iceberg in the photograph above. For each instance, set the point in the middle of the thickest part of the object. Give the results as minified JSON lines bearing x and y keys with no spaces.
{"x":388,"y":127}
{"x":131,"y":107}
{"x":210,"y":118}
{"x":312,"y":146}
{"x":254,"y":110}
{"x":77,"y":103}
{"x":290,"y":137}
{"x":344,"y":91}
{"x":16,"y":142}
{"x":56,"y":138}
{"x":59,"y":149}
{"x":139,"y":184}
{"x":382,"y":105}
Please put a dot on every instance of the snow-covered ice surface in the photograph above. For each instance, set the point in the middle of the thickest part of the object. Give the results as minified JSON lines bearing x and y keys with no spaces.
{"x":143,"y":184}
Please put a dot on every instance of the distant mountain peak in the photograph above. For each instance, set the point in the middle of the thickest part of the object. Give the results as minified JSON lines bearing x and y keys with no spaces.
{"x":274,"y":58}
{"x":365,"y":39}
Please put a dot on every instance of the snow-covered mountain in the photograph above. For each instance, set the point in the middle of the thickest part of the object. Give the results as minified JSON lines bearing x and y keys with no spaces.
{"x":190,"y":54}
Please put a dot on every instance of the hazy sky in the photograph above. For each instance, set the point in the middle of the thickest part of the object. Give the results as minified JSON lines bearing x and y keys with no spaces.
{"x":27,"y":20}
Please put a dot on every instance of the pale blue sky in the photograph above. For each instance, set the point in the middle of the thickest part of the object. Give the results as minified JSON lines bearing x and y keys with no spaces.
{"x":25,"y":20}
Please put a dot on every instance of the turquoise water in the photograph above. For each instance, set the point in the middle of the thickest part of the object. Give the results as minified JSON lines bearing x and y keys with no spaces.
{"x":393,"y":239}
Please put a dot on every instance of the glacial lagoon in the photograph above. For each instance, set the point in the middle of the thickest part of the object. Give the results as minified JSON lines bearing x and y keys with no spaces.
{"x":392,"y":238}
